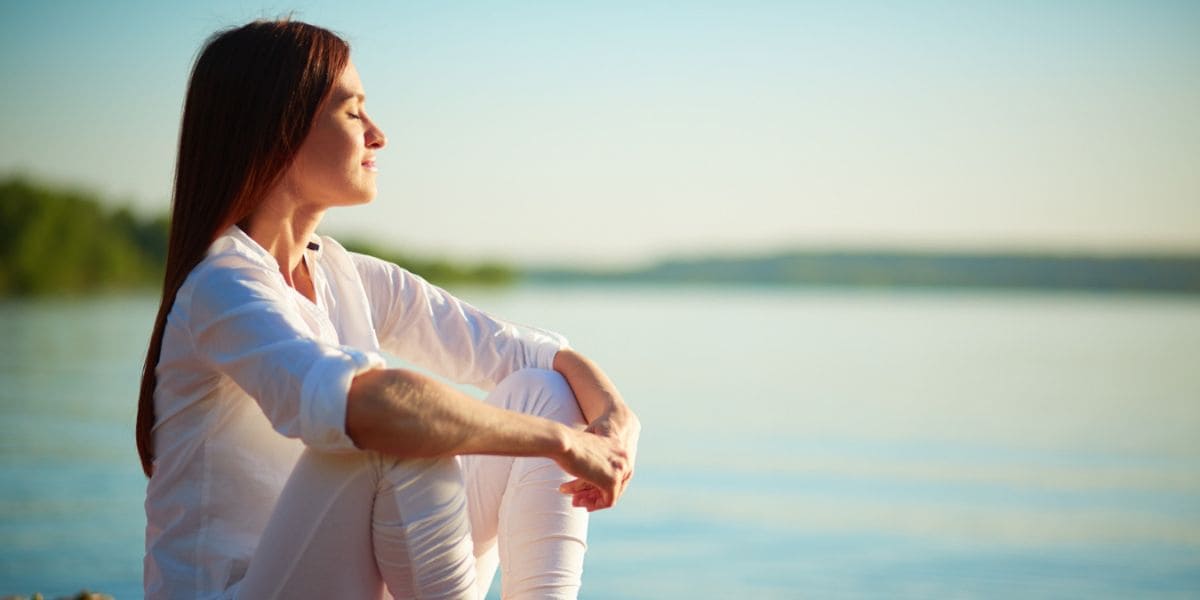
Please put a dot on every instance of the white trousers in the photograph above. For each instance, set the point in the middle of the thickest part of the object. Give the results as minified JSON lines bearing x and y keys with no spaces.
{"x":348,"y":524}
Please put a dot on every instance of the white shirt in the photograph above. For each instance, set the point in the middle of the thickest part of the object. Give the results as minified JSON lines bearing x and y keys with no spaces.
{"x":251,"y":371}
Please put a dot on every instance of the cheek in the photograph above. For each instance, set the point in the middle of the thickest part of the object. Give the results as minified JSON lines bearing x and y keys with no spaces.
{"x":326,"y":154}
{"x":340,"y":148}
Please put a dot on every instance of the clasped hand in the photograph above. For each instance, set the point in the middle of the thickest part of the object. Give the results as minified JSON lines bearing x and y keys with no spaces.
{"x":602,"y":458}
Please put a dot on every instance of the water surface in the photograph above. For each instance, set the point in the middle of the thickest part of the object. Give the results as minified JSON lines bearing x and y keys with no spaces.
{"x":799,"y":442}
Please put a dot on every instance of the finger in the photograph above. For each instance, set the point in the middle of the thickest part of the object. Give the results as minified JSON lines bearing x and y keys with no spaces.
{"x":622,"y":486}
{"x":574,"y":486}
{"x":600,"y":504}
{"x":620,"y":492}
{"x":590,"y":503}
{"x":590,"y":499}
{"x":587,"y":496}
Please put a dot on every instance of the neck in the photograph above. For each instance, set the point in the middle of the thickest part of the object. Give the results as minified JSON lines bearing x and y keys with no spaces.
{"x":283,"y":227}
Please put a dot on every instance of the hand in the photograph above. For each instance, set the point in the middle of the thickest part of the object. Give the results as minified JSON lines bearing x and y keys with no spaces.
{"x":601,"y":466}
{"x":610,"y":419}
{"x":625,"y":437}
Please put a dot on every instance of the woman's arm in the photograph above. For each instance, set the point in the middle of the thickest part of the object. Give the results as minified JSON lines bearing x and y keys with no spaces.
{"x":406,"y":414}
{"x":428,"y":326}
{"x":607,"y":415}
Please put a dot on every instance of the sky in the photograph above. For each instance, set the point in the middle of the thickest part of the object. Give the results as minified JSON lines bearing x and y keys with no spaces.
{"x":611,"y":133}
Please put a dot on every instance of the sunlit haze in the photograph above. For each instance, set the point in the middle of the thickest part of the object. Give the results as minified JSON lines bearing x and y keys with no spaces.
{"x":618,"y":132}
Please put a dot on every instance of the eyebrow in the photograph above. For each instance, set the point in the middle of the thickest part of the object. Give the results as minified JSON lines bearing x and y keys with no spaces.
{"x":348,"y":95}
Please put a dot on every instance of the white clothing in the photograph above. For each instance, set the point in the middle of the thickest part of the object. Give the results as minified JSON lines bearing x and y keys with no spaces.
{"x":346,"y":522}
{"x":245,"y":358}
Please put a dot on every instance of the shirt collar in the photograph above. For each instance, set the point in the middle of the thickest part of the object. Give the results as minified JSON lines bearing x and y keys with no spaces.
{"x":233,"y":239}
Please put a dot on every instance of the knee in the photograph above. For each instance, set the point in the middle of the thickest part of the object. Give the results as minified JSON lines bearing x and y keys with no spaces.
{"x":436,"y":476}
{"x":540,"y":392}
{"x":546,"y":380}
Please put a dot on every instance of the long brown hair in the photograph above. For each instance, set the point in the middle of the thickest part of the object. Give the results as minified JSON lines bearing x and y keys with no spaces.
{"x":251,"y":101}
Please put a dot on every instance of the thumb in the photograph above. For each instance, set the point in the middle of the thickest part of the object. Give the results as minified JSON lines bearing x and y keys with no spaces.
{"x":576,"y":485}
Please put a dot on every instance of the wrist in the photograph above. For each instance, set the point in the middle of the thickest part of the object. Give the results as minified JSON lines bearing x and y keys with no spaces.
{"x":621,"y":417}
{"x":560,"y":442}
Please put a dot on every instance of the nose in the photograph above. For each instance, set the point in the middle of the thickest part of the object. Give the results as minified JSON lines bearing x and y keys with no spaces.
{"x":375,"y":137}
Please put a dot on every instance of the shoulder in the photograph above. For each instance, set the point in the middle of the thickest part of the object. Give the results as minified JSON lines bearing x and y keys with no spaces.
{"x":369,"y":268}
{"x":227,"y":280}
{"x":233,"y":259}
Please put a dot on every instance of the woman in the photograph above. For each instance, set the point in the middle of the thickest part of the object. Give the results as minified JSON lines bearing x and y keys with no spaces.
{"x":381,"y":477}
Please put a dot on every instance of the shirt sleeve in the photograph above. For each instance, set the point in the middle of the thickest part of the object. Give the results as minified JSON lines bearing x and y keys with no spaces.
{"x":246,"y":327}
{"x":426,"y":325}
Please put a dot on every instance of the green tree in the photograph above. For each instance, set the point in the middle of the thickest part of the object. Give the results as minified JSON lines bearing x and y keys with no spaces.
{"x":60,"y":241}
{"x":64,"y":241}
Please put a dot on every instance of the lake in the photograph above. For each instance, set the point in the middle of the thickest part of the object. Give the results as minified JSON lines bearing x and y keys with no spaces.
{"x":798,"y":442}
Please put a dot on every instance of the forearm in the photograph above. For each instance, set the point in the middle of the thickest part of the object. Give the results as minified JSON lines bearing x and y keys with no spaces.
{"x":405,"y":414}
{"x":595,"y":392}
{"x":609,"y":418}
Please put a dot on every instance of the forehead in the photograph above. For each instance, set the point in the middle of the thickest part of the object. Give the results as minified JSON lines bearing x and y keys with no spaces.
{"x":348,"y":85}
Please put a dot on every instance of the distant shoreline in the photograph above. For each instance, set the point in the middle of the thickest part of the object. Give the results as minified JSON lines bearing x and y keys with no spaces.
{"x":61,"y":242}
{"x":902,"y":269}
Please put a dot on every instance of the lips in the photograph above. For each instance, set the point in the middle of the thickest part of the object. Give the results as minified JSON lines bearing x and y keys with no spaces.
{"x":369,"y":164}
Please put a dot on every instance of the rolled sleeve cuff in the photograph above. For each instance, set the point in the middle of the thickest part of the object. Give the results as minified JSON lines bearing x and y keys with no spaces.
{"x":546,"y":347}
{"x":323,"y":397}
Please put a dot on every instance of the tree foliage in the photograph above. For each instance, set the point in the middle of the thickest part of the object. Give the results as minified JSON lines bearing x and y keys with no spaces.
{"x":62,"y":241}
{"x":65,"y":241}
{"x":441,"y":272}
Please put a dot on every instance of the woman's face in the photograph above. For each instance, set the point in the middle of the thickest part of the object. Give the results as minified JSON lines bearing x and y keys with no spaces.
{"x":335,"y":165}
